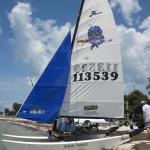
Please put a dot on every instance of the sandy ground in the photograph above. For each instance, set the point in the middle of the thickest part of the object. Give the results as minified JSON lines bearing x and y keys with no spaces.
{"x":136,"y":145}
{"x":29,"y":124}
{"x":138,"y":142}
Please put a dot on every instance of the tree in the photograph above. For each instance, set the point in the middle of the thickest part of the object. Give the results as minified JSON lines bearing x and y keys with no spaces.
{"x":133,"y":99}
{"x":16,"y":107}
{"x":7,"y":112}
{"x":1,"y":113}
{"x":12,"y":113}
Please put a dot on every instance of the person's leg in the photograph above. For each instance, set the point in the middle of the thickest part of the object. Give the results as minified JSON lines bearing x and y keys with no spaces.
{"x":147,"y":125}
{"x":148,"y":131}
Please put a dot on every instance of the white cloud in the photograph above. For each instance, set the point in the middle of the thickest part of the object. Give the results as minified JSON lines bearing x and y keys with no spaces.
{"x":34,"y":40}
{"x":127,"y":8}
{"x":136,"y":53}
{"x":146,"y":23}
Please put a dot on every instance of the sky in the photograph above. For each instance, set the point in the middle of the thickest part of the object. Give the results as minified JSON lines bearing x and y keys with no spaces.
{"x":31,"y":31}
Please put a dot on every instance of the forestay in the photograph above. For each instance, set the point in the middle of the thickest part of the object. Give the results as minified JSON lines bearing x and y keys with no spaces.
{"x":95,"y":88}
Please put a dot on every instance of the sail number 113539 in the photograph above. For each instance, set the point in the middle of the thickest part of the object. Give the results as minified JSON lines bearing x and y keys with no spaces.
{"x":87,"y":76}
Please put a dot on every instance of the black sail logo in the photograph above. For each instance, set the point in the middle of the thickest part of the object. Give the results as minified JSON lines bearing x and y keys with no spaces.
{"x":93,"y":13}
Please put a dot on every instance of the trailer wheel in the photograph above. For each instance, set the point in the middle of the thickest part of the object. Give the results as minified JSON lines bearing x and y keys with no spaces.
{"x":126,"y":123}
{"x":87,"y":122}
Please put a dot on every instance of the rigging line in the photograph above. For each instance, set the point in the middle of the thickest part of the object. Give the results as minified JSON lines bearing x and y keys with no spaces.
{"x":77,"y":24}
{"x":74,"y":37}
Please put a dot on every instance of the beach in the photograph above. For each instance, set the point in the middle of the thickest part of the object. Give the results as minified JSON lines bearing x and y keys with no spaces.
{"x":14,"y":127}
{"x":139,"y":142}
{"x":20,"y":127}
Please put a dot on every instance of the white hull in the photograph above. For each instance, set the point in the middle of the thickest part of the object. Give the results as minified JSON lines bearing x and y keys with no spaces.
{"x":95,"y":144}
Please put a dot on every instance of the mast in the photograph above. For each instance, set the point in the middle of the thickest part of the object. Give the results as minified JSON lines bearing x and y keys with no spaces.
{"x":77,"y":23}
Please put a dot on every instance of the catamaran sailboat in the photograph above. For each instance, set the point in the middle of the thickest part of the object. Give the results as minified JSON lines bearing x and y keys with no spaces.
{"x":83,"y":80}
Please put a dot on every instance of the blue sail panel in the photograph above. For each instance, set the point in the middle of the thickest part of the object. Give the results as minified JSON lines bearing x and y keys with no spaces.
{"x":45,"y":100}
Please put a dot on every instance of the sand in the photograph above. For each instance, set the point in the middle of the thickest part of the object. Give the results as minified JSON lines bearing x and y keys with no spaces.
{"x":138,"y":142}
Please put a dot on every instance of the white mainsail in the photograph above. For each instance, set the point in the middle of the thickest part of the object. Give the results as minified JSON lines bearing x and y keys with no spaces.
{"x":95,"y":88}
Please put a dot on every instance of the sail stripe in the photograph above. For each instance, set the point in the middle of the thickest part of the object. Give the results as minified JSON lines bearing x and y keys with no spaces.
{"x":82,"y":90}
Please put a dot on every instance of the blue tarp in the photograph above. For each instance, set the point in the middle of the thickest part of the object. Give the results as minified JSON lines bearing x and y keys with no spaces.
{"x":45,"y":100}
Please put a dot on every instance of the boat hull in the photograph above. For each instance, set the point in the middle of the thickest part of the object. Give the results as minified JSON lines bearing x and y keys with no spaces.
{"x":94,"y":144}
